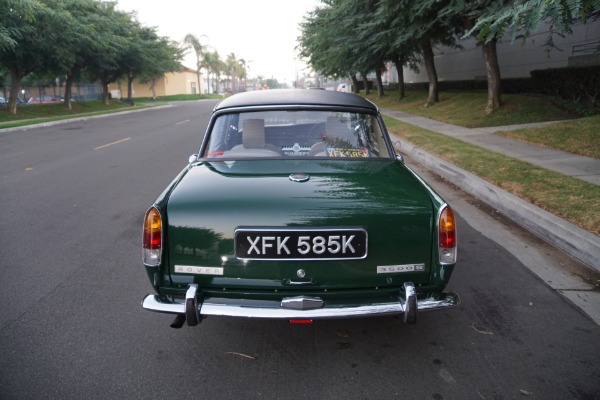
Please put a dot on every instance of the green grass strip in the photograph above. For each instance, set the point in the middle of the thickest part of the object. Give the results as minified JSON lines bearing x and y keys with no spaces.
{"x":569,"y":198}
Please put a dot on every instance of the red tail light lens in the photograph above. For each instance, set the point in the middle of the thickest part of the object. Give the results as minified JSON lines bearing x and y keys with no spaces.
{"x":152,"y":241}
{"x":447,"y":236}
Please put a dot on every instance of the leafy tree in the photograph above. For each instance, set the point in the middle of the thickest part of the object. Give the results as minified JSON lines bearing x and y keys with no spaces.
{"x":140,"y":52}
{"x":107,"y":67}
{"x":381,"y":31}
{"x":87,"y":29}
{"x":324,"y":45}
{"x":460,"y":17}
{"x":36,"y":28}
{"x":271,"y":83}
{"x":488,"y":20}
{"x":167,"y":56}
{"x":419,"y":25}
{"x":524,"y":17}
{"x":15,"y":19}
{"x":365,"y":56}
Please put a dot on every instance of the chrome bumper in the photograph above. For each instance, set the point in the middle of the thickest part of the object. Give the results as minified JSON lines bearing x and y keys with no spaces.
{"x":301,"y":307}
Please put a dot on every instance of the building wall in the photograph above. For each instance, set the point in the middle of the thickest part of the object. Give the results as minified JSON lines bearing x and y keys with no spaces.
{"x":516,"y":59}
{"x":172,"y":83}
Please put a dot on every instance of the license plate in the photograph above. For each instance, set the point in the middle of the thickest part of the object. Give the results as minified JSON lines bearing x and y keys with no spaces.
{"x":300,"y":244}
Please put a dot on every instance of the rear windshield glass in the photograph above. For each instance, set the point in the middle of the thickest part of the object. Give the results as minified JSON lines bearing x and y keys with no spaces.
{"x":298,"y":134}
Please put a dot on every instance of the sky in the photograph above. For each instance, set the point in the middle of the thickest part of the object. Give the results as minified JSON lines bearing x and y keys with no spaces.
{"x":262,"y":32}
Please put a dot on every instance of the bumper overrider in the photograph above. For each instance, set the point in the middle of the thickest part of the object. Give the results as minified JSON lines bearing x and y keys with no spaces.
{"x":193,"y":309}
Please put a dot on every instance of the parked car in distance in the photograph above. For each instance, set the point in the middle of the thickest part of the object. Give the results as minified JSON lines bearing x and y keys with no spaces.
{"x":44,"y":99}
{"x":343,"y":87}
{"x":298,"y":208}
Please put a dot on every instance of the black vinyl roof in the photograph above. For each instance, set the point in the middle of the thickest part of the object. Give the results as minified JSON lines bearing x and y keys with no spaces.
{"x":295,"y":97}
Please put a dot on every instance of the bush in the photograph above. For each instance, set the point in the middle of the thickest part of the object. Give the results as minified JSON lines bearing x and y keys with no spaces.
{"x":577,"y":84}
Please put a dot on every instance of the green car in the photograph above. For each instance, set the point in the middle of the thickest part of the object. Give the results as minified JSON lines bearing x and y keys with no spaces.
{"x":297,"y":208}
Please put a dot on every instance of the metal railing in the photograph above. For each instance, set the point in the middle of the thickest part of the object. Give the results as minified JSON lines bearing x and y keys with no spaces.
{"x":586,"y":48}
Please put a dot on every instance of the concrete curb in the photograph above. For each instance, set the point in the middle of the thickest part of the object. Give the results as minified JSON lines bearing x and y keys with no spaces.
{"x":575,"y":241}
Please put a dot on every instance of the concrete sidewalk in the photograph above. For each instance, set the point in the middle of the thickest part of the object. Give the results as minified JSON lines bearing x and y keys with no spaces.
{"x":575,"y":241}
{"x":584,"y":168}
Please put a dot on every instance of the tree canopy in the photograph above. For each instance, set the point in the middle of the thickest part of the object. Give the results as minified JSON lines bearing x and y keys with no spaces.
{"x":79,"y":38}
{"x":346,"y":37}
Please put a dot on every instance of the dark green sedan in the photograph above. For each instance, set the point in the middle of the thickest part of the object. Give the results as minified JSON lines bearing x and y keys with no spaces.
{"x":297,"y":208}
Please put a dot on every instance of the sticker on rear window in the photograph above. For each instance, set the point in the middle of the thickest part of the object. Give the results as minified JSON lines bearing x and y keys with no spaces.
{"x":339,"y":152}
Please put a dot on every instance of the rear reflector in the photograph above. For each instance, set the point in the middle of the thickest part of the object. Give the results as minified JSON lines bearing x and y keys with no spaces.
{"x":301,"y":321}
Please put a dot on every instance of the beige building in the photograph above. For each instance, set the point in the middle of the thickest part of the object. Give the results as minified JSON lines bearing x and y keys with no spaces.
{"x":172,"y":83}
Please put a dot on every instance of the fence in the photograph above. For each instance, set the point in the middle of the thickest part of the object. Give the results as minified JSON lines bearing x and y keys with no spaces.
{"x":80,"y":92}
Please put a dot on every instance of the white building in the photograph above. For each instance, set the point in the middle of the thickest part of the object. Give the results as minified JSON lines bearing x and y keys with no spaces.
{"x":516,"y":59}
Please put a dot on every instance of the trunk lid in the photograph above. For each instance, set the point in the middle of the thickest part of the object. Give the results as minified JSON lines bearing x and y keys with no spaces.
{"x":382,"y":197}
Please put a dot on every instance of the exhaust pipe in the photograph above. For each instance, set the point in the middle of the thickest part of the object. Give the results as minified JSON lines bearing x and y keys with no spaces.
{"x":178,"y":321}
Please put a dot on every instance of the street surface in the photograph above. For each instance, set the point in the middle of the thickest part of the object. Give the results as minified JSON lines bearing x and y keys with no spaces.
{"x":73,"y":198}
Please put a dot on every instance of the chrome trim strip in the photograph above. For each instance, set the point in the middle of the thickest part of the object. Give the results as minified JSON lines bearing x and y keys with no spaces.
{"x":274,"y":310}
{"x":155,"y":303}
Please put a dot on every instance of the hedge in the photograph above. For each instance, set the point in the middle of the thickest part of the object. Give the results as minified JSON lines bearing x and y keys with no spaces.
{"x":578,"y":84}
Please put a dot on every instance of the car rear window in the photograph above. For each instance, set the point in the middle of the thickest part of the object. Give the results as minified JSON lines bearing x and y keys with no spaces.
{"x":296,"y":134}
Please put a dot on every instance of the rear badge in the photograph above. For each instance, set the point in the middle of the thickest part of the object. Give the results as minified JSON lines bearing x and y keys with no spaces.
{"x":188,"y":269}
{"x":394,"y":269}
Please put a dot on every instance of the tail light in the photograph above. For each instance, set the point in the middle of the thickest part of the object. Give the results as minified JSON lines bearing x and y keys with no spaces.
{"x":152,"y":238}
{"x":447,"y":236}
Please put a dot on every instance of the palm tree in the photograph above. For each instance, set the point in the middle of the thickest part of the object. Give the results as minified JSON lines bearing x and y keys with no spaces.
{"x":212,"y":63}
{"x":237,"y":71}
{"x":232,"y":70}
{"x":193,"y":42}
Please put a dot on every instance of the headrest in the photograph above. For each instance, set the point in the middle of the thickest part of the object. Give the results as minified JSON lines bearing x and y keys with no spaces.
{"x":253,"y":135}
{"x":337,"y":128}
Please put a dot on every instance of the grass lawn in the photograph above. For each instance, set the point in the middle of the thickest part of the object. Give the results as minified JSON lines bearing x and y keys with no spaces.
{"x":580,"y":136}
{"x":572,"y":199}
{"x":468,"y":108}
{"x":39,"y":113}
{"x":569,"y":198}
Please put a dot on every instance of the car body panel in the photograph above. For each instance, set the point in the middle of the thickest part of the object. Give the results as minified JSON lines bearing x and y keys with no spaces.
{"x":397,"y":212}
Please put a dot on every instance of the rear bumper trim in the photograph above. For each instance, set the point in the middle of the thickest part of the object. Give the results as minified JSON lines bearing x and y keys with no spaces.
{"x":273,"y":309}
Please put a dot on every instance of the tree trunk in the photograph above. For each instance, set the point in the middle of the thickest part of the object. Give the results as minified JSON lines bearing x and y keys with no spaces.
{"x":354,"y":84}
{"x":105,"y":99}
{"x":493,"y":76}
{"x":380,"y":92}
{"x":69,"y":91}
{"x":398,"y":61}
{"x":130,"y":89}
{"x":431,"y":73}
{"x":365,"y":82}
{"x":15,"y":77}
{"x":153,"y":88}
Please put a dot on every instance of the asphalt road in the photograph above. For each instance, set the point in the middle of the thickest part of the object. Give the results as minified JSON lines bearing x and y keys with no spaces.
{"x":72,"y":201}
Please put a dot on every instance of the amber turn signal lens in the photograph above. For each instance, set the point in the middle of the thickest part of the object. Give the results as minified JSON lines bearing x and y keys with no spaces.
{"x":447,"y":229}
{"x":152,"y":229}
